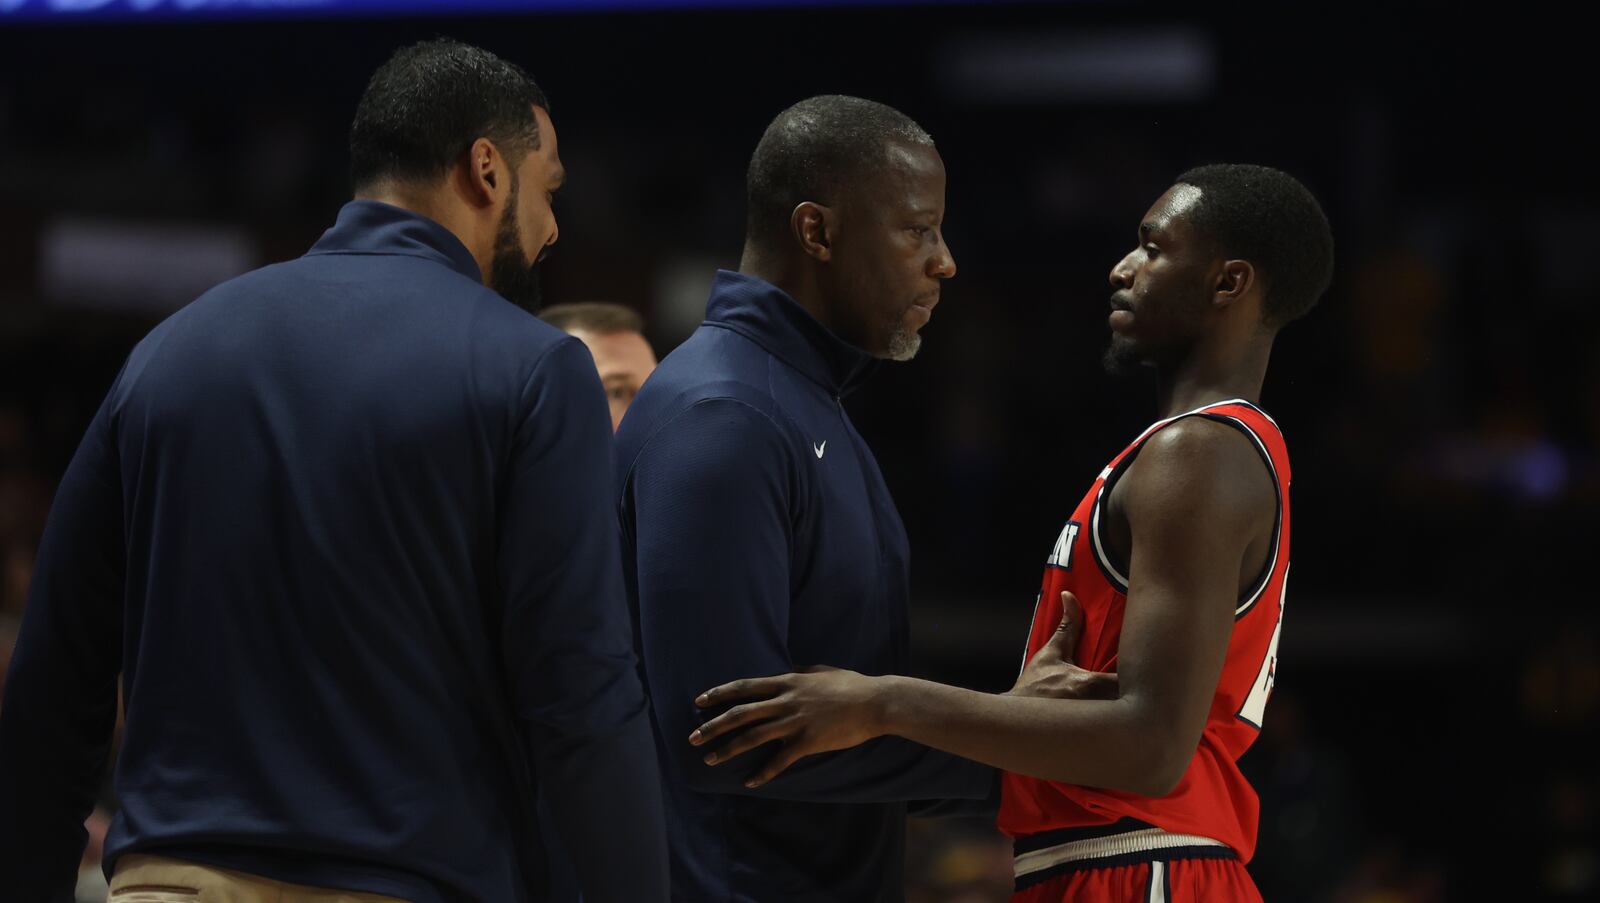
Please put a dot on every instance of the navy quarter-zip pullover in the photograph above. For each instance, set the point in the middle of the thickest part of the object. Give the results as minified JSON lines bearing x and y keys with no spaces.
{"x":343,"y":525}
{"x":759,"y":538}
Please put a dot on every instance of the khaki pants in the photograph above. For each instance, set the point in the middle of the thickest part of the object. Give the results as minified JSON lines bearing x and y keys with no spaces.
{"x":156,"y":879}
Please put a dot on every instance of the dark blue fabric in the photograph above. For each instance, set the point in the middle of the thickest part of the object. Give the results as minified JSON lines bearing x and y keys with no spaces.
{"x":759,"y":538}
{"x":344,"y":526}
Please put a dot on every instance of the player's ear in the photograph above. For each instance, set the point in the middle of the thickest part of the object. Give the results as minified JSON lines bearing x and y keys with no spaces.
{"x":1235,"y":279}
{"x":813,"y":226}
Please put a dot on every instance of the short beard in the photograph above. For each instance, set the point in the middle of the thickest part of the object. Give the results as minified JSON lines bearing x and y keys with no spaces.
{"x":1121,"y":358}
{"x":511,"y":273}
{"x":903,"y":344}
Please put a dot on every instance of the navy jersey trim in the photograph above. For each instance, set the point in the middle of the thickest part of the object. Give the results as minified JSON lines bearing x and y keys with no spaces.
{"x":1109,"y":569}
{"x":1101,"y":556}
{"x":1260,"y":586}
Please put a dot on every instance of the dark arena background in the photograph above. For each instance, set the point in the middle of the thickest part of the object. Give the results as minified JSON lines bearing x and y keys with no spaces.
{"x":1432,"y":734}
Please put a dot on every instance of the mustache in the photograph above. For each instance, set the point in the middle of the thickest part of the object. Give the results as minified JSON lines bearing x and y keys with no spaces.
{"x":1119,"y":301}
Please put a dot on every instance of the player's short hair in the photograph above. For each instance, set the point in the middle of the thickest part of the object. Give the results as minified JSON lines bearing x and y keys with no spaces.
{"x":424,"y":107}
{"x":818,"y":150}
{"x":1269,"y":218}
{"x":594,"y":316}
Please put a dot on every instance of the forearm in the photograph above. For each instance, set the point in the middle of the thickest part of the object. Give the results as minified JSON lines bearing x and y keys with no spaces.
{"x":1117,"y":744}
{"x":887,"y":769}
{"x":890,"y":769}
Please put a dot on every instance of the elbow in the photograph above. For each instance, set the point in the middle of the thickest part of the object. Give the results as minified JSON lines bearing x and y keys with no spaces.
{"x":1159,"y":779}
{"x":1154,"y":781}
{"x":1160,"y":767}
{"x":1153,"y":762}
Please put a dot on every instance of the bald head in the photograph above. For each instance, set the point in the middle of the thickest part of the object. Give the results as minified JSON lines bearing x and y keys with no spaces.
{"x":819,"y":150}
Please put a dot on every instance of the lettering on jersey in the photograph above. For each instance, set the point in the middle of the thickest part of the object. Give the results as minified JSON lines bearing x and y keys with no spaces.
{"x":1255,"y":705}
{"x":1061,"y":555}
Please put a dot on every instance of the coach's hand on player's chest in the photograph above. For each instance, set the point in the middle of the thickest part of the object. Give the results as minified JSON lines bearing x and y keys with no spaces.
{"x":1052,"y":675}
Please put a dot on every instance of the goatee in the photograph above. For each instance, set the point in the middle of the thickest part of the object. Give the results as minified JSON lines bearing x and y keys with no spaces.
{"x":1121,"y":357}
{"x":903,"y":344}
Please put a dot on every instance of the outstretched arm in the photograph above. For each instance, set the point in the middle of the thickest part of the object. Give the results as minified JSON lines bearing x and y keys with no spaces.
{"x":711,"y":499}
{"x":1195,"y":499}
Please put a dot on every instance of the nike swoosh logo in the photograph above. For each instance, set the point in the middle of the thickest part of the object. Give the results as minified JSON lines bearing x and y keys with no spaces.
{"x":818,"y":448}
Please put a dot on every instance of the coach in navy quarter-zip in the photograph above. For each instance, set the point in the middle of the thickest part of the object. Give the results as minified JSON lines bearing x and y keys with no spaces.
{"x":759,"y":536}
{"x":341,"y":528}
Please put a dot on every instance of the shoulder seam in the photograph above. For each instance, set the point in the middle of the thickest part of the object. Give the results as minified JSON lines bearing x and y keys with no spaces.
{"x":634,"y":463}
{"x":538,"y":362}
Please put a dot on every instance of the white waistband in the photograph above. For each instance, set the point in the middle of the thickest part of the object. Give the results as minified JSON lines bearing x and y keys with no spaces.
{"x":1140,"y":841}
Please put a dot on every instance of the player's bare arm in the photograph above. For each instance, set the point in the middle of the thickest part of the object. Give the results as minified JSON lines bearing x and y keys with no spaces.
{"x":1199,"y":507}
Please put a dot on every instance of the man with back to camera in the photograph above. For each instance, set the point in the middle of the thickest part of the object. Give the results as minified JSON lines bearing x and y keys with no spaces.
{"x":758,"y":531}
{"x":341,"y":526}
{"x":614,"y":335}
{"x":1179,"y":554}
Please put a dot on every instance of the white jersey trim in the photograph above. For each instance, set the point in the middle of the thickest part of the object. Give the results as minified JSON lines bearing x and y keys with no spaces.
{"x":1142,"y":841}
{"x":1119,"y":580}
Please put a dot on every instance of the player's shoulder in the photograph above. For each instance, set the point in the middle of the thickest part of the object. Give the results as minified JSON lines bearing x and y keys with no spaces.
{"x":1195,"y":440}
{"x":1206,"y":458}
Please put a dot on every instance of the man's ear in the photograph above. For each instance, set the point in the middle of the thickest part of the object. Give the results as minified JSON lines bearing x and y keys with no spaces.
{"x":486,"y":174}
{"x":1235,"y":279}
{"x":814,"y":227}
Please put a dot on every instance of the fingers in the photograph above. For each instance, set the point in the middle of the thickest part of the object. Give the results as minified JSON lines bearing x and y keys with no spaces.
{"x":787,"y":755}
{"x":1071,"y":611}
{"x":749,"y":688}
{"x":1064,"y":643}
{"x":732,"y":719}
{"x":759,"y":735}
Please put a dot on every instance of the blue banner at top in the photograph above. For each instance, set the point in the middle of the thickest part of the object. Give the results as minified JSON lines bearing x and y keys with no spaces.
{"x":67,"y":11}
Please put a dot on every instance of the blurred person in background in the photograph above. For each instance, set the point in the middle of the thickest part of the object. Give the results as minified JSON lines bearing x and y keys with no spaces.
{"x":341,"y":527}
{"x":1180,"y":555}
{"x":614,"y":335}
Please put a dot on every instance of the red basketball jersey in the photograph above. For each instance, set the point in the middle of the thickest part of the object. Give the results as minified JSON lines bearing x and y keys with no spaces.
{"x":1213,"y":799}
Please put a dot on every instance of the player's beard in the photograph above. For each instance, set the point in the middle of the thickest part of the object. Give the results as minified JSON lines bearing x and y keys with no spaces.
{"x":1122,"y":356}
{"x":511,"y":273}
{"x":1173,"y":322}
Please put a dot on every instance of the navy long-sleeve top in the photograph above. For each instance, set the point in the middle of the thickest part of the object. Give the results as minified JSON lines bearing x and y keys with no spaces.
{"x":344,"y":527}
{"x":759,"y":538}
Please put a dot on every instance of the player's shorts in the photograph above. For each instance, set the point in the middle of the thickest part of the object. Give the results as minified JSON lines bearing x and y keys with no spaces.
{"x":1128,"y":862}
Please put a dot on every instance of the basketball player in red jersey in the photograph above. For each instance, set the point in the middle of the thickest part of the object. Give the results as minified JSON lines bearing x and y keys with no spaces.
{"x":1170,"y":573}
